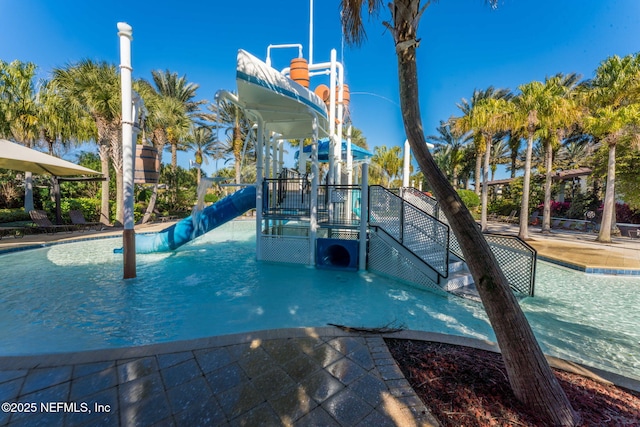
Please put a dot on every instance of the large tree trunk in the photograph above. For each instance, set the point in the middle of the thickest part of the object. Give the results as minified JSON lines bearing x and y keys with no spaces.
{"x":529,"y":374}
{"x":546,"y":215}
{"x":523,"y":233}
{"x":604,"y":235}
{"x":28,"y":192}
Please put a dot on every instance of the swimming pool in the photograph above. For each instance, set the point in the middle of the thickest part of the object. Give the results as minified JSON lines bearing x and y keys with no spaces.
{"x":71,"y":297}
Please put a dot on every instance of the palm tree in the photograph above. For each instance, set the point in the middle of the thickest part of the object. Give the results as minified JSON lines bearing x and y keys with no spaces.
{"x":487,"y":117}
{"x":614,"y":116}
{"x":389,"y":161}
{"x":499,"y":155}
{"x":20,"y":111}
{"x":169,"y":85}
{"x":204,"y":143}
{"x":529,"y":105}
{"x":529,"y":374}
{"x":479,"y":142}
{"x":452,"y":144}
{"x":564,"y":113}
{"x":94,"y":88}
{"x":228,"y":116}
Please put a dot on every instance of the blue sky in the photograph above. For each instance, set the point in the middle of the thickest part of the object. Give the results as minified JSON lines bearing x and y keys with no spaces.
{"x":465,"y":45}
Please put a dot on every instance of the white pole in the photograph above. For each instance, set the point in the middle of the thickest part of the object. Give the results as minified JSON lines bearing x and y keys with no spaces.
{"x":128,"y":149}
{"x":406,"y":171}
{"x":364,"y":217}
{"x":313,"y":201}
{"x":349,"y":158}
{"x":310,"y":32}
{"x":259,"y":187}
{"x":332,"y":120}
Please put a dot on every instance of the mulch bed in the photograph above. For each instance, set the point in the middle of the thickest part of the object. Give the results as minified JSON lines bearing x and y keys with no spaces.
{"x":463,"y":386}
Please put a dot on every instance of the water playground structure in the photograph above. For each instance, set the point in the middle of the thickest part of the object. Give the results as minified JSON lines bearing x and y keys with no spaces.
{"x":339,"y":222}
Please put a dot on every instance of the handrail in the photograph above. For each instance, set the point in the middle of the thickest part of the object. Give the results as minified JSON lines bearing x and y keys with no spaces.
{"x":502,"y":246}
{"x":410,"y":226}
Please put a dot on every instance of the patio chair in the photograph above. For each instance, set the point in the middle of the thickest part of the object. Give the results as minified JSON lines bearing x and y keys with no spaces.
{"x":77,"y":219}
{"x":533,"y":219}
{"x":43,"y":223}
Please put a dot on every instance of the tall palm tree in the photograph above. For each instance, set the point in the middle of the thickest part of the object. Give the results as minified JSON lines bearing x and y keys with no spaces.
{"x":389,"y":161}
{"x":531,"y":379}
{"x":20,"y":111}
{"x":529,"y":105}
{"x":479,"y":141}
{"x":169,"y":85}
{"x":204,"y":143}
{"x":487,"y":117}
{"x":499,"y":155}
{"x":614,"y":115}
{"x":228,"y":116}
{"x":453,"y":144}
{"x":94,"y":88}
{"x":564,"y":114}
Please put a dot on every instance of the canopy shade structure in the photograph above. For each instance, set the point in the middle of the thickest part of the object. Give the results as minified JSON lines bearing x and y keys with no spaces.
{"x":287,"y":107}
{"x":359,"y":154}
{"x":18,"y":157}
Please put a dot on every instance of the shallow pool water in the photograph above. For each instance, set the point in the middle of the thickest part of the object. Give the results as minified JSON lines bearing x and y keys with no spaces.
{"x":71,"y":297}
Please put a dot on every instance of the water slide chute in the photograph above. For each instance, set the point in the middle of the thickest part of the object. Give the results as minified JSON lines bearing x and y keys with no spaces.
{"x":206,"y":220}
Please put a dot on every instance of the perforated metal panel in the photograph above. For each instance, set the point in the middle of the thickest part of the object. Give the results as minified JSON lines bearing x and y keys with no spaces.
{"x":386,"y":260}
{"x":294,"y":250}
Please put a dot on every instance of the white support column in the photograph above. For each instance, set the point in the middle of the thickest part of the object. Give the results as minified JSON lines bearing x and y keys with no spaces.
{"x":406,"y":166}
{"x":302,"y":159}
{"x":364,"y":218}
{"x":125,"y":32}
{"x":259,"y":186}
{"x":332,"y":178}
{"x":313,"y":202}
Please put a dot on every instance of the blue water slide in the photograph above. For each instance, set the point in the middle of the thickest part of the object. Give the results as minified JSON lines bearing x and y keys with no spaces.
{"x":209,"y":218}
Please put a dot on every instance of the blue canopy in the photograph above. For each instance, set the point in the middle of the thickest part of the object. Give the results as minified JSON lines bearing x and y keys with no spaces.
{"x":358,"y":153}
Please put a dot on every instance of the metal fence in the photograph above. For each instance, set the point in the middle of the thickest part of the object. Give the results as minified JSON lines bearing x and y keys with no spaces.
{"x":422,"y":234}
{"x":516,"y":258}
{"x":286,"y":197}
{"x":339,"y":205}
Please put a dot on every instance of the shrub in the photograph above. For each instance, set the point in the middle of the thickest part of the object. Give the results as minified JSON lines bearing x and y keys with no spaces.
{"x":90,"y":208}
{"x":469,"y":198}
{"x":211,"y":198}
{"x":13,"y":215}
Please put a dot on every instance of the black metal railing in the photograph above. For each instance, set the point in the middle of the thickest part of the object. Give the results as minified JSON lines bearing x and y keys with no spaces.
{"x":515,"y":257}
{"x":339,"y":205}
{"x":286,"y":196}
{"x":418,"y":231}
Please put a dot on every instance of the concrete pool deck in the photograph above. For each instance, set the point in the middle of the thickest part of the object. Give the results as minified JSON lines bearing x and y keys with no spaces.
{"x":321,"y":376}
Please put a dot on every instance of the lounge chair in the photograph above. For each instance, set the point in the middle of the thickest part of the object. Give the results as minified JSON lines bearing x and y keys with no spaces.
{"x":43,"y":223}
{"x":77,"y":219}
{"x":533,"y":219}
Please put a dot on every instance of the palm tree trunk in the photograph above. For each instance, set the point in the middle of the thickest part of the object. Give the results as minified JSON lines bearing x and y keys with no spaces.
{"x":477,"y":188}
{"x":28,"y":192}
{"x":546,"y":215}
{"x":523,"y":233}
{"x":529,"y":374}
{"x":604,"y":235}
{"x":485,"y":184}
{"x":104,"y":198}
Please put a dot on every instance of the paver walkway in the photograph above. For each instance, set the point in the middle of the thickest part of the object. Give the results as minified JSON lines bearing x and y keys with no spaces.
{"x":291,"y":377}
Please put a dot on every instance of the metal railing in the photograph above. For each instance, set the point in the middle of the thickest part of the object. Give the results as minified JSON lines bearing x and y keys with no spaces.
{"x":419,"y":232}
{"x":516,"y":258}
{"x":339,"y":205}
{"x":286,"y":196}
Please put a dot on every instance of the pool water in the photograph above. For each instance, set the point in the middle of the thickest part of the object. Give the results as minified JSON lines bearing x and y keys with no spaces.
{"x":71,"y":297}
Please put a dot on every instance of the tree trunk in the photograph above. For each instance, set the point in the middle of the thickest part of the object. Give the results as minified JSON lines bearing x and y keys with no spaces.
{"x":104,"y":198}
{"x":609,"y":198}
{"x":523,"y":233}
{"x":478,"y":188}
{"x":529,"y":374}
{"x":115,"y":138}
{"x":485,"y":183}
{"x":546,"y":215}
